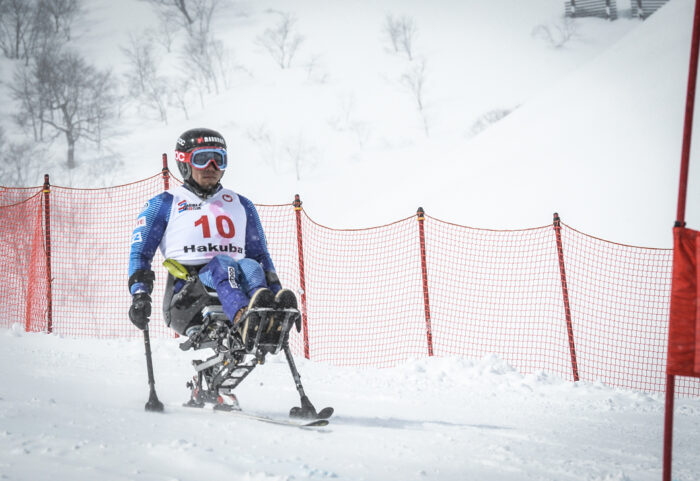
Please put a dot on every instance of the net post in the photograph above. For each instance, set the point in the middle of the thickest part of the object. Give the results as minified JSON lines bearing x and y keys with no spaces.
{"x":166,"y":173}
{"x":668,"y":426}
{"x":420,"y":216}
{"x":47,"y":249}
{"x":302,"y":277}
{"x":565,"y":294}
{"x":680,"y":218}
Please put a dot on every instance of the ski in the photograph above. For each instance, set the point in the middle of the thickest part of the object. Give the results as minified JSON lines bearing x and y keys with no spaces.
{"x":313,"y":423}
{"x":310,"y":423}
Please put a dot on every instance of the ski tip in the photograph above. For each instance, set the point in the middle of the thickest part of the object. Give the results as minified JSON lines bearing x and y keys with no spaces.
{"x":325,"y":413}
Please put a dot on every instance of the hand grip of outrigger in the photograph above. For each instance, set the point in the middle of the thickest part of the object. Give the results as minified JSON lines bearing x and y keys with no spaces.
{"x":176,"y":269}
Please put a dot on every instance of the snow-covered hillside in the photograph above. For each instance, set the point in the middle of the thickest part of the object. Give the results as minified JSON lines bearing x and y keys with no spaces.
{"x":73,"y":410}
{"x":594,"y":130}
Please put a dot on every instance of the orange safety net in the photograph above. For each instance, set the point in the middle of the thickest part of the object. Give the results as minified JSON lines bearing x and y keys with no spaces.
{"x":543,"y":299}
{"x":25,"y":277}
{"x":684,"y":329}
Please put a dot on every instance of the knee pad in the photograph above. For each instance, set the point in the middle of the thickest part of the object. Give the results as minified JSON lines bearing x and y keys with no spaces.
{"x":246,"y":274}
{"x":252,"y":276}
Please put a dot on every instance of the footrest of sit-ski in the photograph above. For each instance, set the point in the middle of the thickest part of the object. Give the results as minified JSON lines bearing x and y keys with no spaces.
{"x":265,"y":333}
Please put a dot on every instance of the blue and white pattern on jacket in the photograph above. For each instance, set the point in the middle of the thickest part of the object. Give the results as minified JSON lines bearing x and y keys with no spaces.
{"x":255,"y":242}
{"x":150,"y":226}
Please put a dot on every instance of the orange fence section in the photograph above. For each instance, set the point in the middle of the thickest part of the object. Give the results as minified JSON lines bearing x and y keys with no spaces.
{"x":544,"y":299}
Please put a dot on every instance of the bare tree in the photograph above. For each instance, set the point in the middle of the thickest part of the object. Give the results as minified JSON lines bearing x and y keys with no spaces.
{"x":199,"y":52}
{"x":29,"y":117}
{"x":193,"y":15}
{"x":224,"y":62}
{"x":165,"y":33}
{"x":71,"y":97}
{"x":16,"y":23}
{"x":202,"y":48}
{"x":300,"y":155}
{"x":144,"y":82}
{"x":556,"y":34}
{"x":315,"y":70}
{"x":282,"y":41}
{"x":179,"y":7}
{"x":30,"y":26}
{"x":25,"y":166}
{"x":414,"y":80}
{"x":211,"y":61}
{"x":265,"y":141}
{"x":62,"y":13}
{"x":401,"y":32}
{"x":180,"y":93}
{"x":345,"y":122}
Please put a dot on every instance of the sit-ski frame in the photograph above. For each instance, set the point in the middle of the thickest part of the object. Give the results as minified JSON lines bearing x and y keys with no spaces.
{"x":236,"y":354}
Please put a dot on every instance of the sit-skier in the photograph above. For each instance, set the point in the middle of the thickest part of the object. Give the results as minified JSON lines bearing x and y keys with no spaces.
{"x":214,"y":233}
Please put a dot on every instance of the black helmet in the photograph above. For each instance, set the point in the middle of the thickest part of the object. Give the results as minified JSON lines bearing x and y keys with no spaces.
{"x":190,"y":140}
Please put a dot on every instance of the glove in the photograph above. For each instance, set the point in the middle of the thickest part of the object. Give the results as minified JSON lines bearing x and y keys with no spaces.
{"x":140,"y":310}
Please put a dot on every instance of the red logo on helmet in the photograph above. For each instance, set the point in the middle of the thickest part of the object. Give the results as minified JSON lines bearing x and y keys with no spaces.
{"x":200,"y":140}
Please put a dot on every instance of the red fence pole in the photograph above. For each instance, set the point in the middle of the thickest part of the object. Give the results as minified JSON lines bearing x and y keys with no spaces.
{"x":565,"y":293}
{"x":302,"y":278}
{"x":166,"y":173}
{"x":420,"y":214}
{"x":668,"y":426}
{"x":680,"y":218}
{"x":47,"y":241}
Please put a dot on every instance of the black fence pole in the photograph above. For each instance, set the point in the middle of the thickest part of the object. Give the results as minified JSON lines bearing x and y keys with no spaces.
{"x":47,"y":249}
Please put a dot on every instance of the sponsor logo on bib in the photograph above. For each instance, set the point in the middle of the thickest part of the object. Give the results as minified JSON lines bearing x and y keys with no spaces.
{"x":213,"y":248}
{"x":182,"y":206}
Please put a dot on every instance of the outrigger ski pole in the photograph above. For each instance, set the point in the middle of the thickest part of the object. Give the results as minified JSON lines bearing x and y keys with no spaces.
{"x":307,"y":410}
{"x":153,"y":403}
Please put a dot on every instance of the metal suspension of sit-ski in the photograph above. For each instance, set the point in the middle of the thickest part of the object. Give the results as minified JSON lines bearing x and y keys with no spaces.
{"x":234,"y":358}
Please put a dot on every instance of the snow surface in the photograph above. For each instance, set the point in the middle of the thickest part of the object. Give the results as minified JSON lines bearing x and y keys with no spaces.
{"x":74,"y":410}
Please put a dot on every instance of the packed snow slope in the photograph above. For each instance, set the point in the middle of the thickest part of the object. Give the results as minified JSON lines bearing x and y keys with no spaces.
{"x":73,"y":410}
{"x":594,"y":130}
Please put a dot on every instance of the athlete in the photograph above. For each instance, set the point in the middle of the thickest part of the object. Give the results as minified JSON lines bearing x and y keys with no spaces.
{"x":214,"y":232}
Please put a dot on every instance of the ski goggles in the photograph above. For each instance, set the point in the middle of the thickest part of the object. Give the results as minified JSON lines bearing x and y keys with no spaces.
{"x":201,"y":158}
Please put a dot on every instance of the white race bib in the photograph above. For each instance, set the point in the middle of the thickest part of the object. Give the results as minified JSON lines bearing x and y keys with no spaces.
{"x":199,"y":230}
